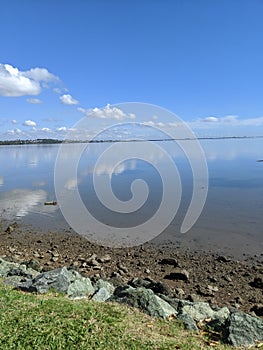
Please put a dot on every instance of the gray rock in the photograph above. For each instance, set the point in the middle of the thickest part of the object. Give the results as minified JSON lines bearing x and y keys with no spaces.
{"x":223,"y":258}
{"x":122,"y":267}
{"x":104,"y":284}
{"x":80,"y":288}
{"x":178,"y":274}
{"x":174,"y":302}
{"x":139,"y":282}
{"x":73,"y":275}
{"x":243,"y":330}
{"x":144,"y":299}
{"x":258,"y":309}
{"x":213,"y":288}
{"x":55,"y":279}
{"x":6,"y":266}
{"x":33,"y":264}
{"x":179,"y":293}
{"x":257,"y":283}
{"x":101,"y":295}
{"x":169,"y":261}
{"x":194,"y":298}
{"x":205,"y":291}
{"x":11,"y":228}
{"x":156,"y":287}
{"x":18,"y":272}
{"x":188,"y":322}
{"x":104,"y":259}
{"x":28,"y":270}
{"x":200,"y":311}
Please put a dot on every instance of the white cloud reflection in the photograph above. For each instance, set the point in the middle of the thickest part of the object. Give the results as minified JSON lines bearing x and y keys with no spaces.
{"x":21,"y":202}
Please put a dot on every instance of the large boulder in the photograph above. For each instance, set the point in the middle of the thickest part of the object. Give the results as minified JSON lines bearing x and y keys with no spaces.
{"x":103,"y":290}
{"x":8,"y":268}
{"x":57,"y":279}
{"x":101,"y":295}
{"x":60,"y":280}
{"x":15,"y":273}
{"x":144,"y":299}
{"x":188,"y":321}
{"x":200,"y":311}
{"x":80,"y":288}
{"x":156,"y":287}
{"x":243,"y":330}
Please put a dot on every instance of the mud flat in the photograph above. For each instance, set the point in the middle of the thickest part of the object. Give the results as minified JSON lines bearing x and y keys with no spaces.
{"x":192,"y":275}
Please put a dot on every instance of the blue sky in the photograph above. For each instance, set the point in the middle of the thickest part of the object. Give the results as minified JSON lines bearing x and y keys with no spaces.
{"x":201,"y":59}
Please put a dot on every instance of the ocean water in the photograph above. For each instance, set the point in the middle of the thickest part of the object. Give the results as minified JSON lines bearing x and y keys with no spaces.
{"x":230,"y":220}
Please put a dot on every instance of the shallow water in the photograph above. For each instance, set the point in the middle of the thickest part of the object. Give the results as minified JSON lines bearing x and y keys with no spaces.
{"x":231,"y":220}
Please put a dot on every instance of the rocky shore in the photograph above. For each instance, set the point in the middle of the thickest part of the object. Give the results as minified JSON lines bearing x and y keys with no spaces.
{"x":211,"y":287}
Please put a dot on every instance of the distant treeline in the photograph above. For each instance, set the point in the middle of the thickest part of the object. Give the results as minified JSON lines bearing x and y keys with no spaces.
{"x":54,"y":141}
{"x":30,"y":142}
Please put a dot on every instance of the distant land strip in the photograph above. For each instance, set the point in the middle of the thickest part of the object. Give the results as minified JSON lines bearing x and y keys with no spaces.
{"x":57,"y":141}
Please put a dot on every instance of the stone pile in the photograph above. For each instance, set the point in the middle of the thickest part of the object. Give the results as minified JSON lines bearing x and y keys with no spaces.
{"x":153,"y":298}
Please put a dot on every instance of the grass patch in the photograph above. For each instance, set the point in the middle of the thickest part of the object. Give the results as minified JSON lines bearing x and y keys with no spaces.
{"x":52,"y":321}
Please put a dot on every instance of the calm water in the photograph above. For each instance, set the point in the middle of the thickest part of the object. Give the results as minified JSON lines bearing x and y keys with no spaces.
{"x":231,"y":220}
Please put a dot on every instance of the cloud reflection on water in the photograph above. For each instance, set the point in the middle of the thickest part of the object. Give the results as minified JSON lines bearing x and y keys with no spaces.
{"x":21,"y":202}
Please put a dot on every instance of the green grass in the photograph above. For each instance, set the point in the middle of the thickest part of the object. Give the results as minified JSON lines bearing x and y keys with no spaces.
{"x":52,"y":321}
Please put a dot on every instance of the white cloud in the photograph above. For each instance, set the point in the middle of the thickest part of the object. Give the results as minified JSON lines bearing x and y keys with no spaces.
{"x":60,"y":90}
{"x":82,"y":110}
{"x":228,"y":123}
{"x":40,"y":74}
{"x":46,"y":130}
{"x":62,"y":128}
{"x":19,"y":202}
{"x":14,"y":131}
{"x":107,"y":112}
{"x":29,"y":123}
{"x":68,"y":100}
{"x":21,"y":83}
{"x":14,"y":121}
{"x":34,"y":100}
{"x":149,"y":123}
{"x":71,"y":184}
{"x":229,"y":119}
{"x":57,"y":90}
{"x":160,"y":125}
{"x":210,"y":119}
{"x":253,"y":121}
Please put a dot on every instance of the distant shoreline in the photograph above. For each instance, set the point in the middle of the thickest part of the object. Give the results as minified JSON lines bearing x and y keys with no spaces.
{"x":56,"y":141}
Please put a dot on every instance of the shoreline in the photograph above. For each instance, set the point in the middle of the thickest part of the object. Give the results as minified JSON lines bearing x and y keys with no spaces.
{"x":192,"y":275}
